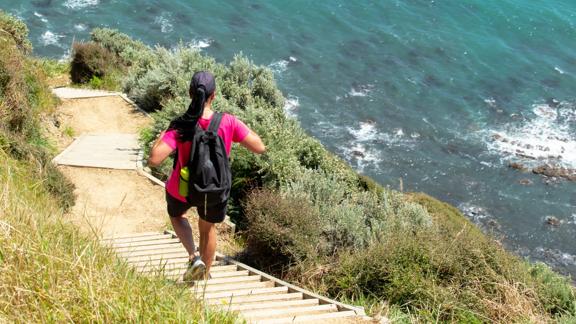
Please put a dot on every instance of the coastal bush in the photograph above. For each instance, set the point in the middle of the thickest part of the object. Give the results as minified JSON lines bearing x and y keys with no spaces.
{"x":368,"y":243}
{"x":90,"y":60}
{"x":17,"y":30}
{"x":130,"y":52}
{"x":283,"y":230}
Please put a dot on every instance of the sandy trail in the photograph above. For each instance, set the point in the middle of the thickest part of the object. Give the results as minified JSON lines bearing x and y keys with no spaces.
{"x":114,"y":202}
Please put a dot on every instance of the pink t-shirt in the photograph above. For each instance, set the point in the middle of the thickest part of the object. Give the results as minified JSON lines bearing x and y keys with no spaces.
{"x":231,"y":130}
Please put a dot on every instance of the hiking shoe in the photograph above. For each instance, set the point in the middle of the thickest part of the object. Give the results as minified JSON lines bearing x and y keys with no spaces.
{"x":196,"y":270}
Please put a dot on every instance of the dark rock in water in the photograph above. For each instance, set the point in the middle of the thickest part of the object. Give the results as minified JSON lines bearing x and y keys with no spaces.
{"x":497,"y":137}
{"x":556,"y":171}
{"x":518,"y":166}
{"x":552,"y":102}
{"x":358,"y":154}
{"x":493,"y":224}
{"x":552,"y":83}
{"x":525,"y":182}
{"x":552,"y":220}
{"x":42,"y":3}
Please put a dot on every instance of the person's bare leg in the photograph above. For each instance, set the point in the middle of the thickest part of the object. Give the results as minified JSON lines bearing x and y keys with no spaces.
{"x":184,"y":231}
{"x":207,"y":242}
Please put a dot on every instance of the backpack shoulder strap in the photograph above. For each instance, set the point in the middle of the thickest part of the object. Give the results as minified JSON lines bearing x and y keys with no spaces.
{"x":215,"y":122}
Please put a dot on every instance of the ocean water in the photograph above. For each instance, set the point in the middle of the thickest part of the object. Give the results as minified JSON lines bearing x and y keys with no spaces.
{"x":441,"y":94}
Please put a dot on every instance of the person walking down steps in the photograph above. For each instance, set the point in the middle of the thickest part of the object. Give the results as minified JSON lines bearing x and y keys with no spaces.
{"x":201,"y":175}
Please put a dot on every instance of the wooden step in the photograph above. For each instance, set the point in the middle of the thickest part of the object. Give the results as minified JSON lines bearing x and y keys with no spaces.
{"x":160,"y":262}
{"x":228,"y":280}
{"x":177,"y":275}
{"x":242,"y":292}
{"x":274,"y":304}
{"x":316,"y":318}
{"x":147,"y":249}
{"x":232,"y":286}
{"x":158,"y":257}
{"x":120,"y":237}
{"x":175,"y":248}
{"x":166,"y":265}
{"x":289,"y":312}
{"x":179,"y":269}
{"x":244,"y":300}
{"x":227,"y":274}
{"x":138,"y":239}
{"x":127,"y":245}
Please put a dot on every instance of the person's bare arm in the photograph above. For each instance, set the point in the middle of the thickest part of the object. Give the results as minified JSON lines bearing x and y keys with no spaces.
{"x":253,"y":142}
{"x":159,"y":152}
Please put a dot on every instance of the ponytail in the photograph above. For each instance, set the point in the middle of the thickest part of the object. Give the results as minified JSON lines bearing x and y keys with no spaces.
{"x":202,"y":86}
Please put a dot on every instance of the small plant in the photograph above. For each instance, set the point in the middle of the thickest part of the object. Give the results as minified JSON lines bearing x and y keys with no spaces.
{"x":69,"y":131}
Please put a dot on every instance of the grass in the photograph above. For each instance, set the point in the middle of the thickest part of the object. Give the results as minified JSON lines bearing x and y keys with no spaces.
{"x":50,"y":272}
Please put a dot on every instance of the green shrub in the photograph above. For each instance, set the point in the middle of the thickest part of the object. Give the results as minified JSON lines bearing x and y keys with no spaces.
{"x":130,"y":52}
{"x":17,"y":30}
{"x":283,"y":230}
{"x":90,"y":60}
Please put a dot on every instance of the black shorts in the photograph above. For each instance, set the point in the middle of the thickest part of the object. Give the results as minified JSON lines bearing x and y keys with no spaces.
{"x":212,"y":214}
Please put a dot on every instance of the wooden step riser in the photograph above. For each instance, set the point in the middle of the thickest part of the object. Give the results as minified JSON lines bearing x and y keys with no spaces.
{"x":175,"y":269}
{"x":224,"y":281}
{"x":245,"y":300}
{"x":139,"y":249}
{"x":319,"y":318}
{"x":174,"y":248}
{"x":274,"y":305}
{"x":167,"y":265}
{"x":138,"y":239}
{"x":121,"y":237}
{"x":158,"y":256}
{"x":145,"y":243}
{"x":242,"y":292}
{"x":161,"y":262}
{"x":232,"y":287}
{"x":288,"y":312}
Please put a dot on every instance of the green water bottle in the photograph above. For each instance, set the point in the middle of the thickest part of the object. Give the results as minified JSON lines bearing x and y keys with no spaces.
{"x":183,"y":184}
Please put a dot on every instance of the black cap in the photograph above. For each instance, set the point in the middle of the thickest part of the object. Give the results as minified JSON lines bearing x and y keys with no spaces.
{"x":203,"y":79}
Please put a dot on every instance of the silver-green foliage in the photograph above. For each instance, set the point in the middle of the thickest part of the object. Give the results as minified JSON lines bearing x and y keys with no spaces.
{"x":295,"y":162}
{"x":354,"y":218}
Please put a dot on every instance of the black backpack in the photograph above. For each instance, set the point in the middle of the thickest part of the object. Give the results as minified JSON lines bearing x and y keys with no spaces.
{"x":210,"y":178}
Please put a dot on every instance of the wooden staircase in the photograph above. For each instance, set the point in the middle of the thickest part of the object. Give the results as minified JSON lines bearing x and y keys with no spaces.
{"x":233,"y":286}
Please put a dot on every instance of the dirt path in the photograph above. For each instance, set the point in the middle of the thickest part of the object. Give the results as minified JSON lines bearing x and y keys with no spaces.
{"x":114,"y":202}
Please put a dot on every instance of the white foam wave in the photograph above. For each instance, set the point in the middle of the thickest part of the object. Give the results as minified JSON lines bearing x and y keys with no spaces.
{"x":366,"y":132}
{"x":165,"y":23}
{"x":361,"y":155}
{"x":80,"y":27}
{"x":79,"y":4}
{"x":42,"y":18}
{"x":358,"y":93}
{"x":200,"y":43}
{"x":49,"y":38}
{"x":291,"y":106}
{"x":559,"y":70}
{"x":364,"y":148}
{"x":549,"y":137}
{"x":279,"y":66}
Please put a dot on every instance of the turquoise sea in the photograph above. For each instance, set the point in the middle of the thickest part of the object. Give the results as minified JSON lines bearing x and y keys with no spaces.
{"x":442,"y":94}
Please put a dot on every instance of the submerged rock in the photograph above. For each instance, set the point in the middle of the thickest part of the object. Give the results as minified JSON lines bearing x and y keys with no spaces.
{"x":518,"y":166}
{"x":525,"y":182}
{"x":555,"y":171}
{"x":552,"y":220}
